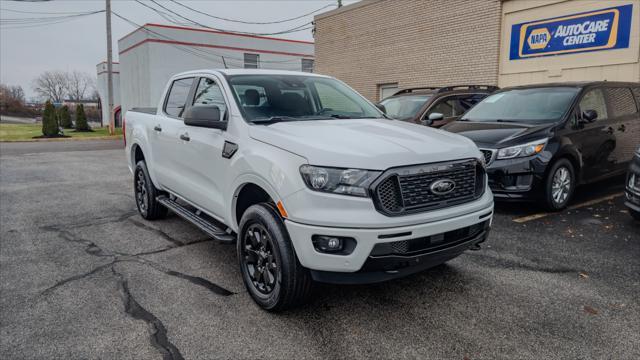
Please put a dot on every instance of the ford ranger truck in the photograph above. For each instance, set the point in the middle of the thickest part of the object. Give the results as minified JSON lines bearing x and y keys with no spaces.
{"x":308,"y":178}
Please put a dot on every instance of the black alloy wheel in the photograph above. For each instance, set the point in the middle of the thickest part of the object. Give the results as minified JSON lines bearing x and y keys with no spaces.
{"x":145,"y":194}
{"x":271,"y":272}
{"x":259,"y":258}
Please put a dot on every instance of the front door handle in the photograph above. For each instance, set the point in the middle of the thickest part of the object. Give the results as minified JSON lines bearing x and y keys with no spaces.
{"x":185,"y":137}
{"x":622,"y":128}
{"x":609,"y":130}
{"x":157,"y":128}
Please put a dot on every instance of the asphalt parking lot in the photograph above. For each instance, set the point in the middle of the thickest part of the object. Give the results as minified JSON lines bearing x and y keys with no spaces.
{"x":83,"y":276}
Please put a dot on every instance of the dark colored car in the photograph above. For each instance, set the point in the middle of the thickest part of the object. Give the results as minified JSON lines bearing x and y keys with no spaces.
{"x":434,"y":106}
{"x":541,"y":141}
{"x":633,"y":187}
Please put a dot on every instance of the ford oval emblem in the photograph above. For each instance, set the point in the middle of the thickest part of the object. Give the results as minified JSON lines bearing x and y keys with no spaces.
{"x":442,"y":186}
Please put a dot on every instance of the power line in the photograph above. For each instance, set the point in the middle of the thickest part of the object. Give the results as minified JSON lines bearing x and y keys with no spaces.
{"x":18,"y":23}
{"x":203,"y":54}
{"x":295,"y":29}
{"x":252,"y":22}
{"x":41,"y":12}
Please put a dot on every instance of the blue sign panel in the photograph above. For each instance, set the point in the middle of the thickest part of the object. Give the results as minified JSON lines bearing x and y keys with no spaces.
{"x":603,"y":29}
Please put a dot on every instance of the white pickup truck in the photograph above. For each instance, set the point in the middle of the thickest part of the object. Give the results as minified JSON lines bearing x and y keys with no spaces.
{"x":308,"y":178}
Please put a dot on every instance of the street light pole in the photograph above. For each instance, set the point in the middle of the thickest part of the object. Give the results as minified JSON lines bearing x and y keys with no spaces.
{"x":112,"y":124}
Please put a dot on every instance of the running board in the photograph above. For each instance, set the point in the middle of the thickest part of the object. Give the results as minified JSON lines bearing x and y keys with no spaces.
{"x":194,"y":217}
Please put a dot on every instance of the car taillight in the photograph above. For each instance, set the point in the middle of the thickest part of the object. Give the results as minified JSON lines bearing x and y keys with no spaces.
{"x":124,"y":130}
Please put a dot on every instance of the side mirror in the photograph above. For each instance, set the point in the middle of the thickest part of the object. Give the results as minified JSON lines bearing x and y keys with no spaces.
{"x":207,"y":116}
{"x":381,"y":107}
{"x":590,"y":115}
{"x":432,"y":118}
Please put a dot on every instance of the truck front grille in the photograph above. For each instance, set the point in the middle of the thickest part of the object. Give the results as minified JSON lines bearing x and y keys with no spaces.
{"x":411,"y":189}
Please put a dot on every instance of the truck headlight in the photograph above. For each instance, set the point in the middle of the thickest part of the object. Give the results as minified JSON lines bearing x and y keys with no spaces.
{"x":528,"y":149}
{"x":354,"y":182}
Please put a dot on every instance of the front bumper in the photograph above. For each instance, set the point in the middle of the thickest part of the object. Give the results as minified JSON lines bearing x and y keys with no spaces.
{"x":367,"y":238}
{"x":632,"y":192}
{"x":517,"y":179}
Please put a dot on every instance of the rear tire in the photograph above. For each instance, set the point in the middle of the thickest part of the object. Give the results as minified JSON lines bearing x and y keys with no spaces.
{"x":559,"y":184}
{"x":272,"y":274}
{"x":145,"y":194}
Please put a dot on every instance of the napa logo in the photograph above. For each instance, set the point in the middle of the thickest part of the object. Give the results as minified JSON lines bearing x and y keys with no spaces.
{"x":603,"y":29}
{"x":539,"y":38}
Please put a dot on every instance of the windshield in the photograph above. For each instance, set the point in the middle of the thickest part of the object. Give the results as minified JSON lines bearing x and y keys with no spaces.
{"x":537,"y":105}
{"x":404,"y":107}
{"x":270,"y":98}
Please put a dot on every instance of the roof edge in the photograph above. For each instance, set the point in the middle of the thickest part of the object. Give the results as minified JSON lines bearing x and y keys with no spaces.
{"x":346,"y":8}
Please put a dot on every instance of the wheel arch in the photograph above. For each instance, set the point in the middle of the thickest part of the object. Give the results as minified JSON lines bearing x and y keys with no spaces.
{"x":249,"y":192}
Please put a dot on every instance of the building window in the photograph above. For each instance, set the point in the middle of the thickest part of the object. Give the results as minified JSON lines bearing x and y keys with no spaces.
{"x":386,"y":90}
{"x":307,"y":65}
{"x":251,"y":61}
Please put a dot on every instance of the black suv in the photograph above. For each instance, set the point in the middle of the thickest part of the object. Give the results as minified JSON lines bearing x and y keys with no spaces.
{"x":633,"y":187}
{"x":540,"y":141}
{"x":434,"y":106}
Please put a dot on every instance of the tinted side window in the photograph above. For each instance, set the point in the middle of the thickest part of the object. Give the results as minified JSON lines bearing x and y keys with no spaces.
{"x":209,"y":93}
{"x":594,"y":100}
{"x":445,"y":107}
{"x":621,"y":101}
{"x":177,"y":98}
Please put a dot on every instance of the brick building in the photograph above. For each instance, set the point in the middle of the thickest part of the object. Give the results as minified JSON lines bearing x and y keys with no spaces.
{"x":378,"y":46}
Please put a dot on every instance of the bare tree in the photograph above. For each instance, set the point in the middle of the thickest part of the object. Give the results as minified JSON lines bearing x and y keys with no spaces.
{"x":79,"y":85}
{"x":51,"y":85}
{"x":16,"y":93}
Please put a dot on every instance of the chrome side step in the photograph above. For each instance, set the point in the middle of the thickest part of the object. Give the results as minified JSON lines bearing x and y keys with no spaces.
{"x":196,"y":218}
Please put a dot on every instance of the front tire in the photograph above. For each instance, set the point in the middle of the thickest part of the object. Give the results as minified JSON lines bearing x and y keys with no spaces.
{"x":145,"y":194}
{"x":560,"y":184}
{"x":272,"y":274}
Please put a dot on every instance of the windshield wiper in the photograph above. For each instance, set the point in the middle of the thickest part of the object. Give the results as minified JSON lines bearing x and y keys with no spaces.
{"x":273,"y":119}
{"x":505,"y":121}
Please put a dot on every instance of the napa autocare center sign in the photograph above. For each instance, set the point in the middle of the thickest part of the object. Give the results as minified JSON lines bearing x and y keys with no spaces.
{"x":597,"y":30}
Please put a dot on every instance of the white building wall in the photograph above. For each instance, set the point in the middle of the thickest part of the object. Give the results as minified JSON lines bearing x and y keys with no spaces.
{"x":151,"y":55}
{"x":101,"y":70}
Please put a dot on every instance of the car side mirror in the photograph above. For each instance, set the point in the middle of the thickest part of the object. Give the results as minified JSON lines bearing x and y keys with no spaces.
{"x":432,"y":118}
{"x":589,"y":115}
{"x":381,"y":108}
{"x":207,"y":116}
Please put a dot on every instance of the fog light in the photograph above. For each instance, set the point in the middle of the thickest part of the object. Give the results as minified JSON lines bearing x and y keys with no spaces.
{"x":327,"y":243}
{"x":333,"y":244}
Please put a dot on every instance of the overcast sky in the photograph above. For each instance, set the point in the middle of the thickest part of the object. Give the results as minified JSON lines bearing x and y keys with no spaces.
{"x":80,"y":44}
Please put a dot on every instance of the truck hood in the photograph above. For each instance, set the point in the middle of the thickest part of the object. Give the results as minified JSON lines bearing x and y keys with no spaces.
{"x":498,"y":135}
{"x":373,"y":144}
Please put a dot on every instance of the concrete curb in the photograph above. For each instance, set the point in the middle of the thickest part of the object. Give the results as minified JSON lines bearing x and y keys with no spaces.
{"x":116,"y":137}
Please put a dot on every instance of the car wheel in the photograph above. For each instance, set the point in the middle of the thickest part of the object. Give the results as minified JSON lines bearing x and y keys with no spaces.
{"x":559,"y":185}
{"x":145,"y":194}
{"x":270,"y":269}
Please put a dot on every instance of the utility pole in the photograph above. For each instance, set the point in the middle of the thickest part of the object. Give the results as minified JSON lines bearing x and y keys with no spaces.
{"x":112,"y":125}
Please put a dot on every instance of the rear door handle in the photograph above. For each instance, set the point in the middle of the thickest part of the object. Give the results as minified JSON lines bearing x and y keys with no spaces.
{"x":157,"y":128}
{"x":622,"y":128}
{"x":185,"y":137}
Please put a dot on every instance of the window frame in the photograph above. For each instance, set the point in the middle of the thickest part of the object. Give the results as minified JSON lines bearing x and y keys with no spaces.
{"x":604,"y":97}
{"x":222,"y":91}
{"x":188,"y":100}
{"x":244,"y":57}
{"x":387,"y":86}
